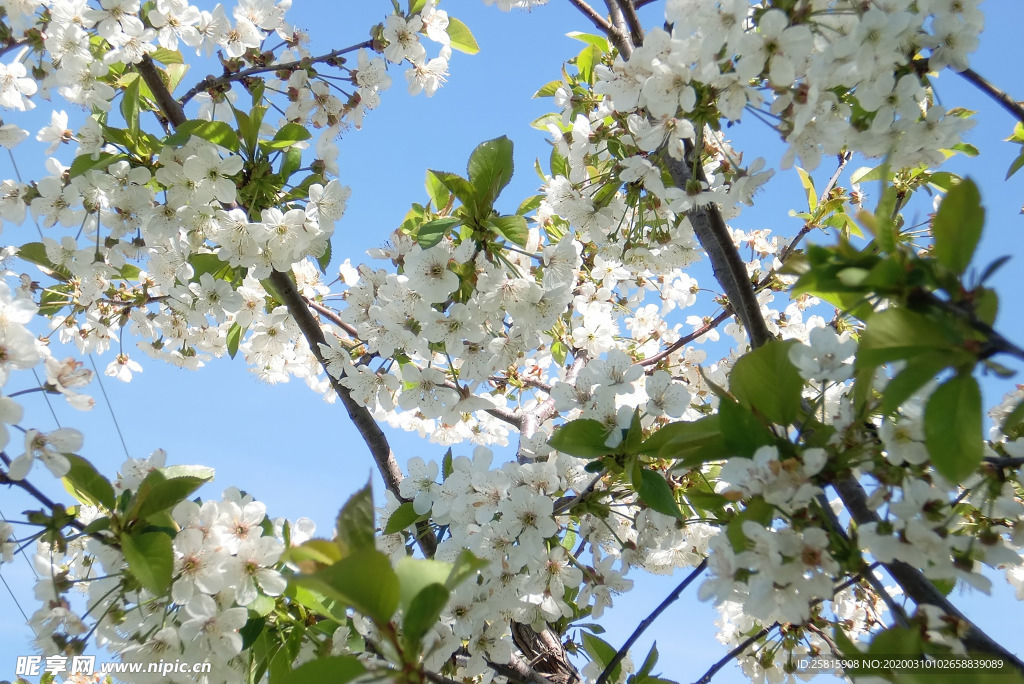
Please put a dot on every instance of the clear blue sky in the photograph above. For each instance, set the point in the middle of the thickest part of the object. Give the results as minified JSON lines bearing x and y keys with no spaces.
{"x":259,"y":437}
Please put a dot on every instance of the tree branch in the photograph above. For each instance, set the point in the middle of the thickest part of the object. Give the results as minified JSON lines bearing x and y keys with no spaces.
{"x":368,"y":428}
{"x":743,"y":646}
{"x":333,"y":317}
{"x":619,"y":33}
{"x":1001,"y":97}
{"x":647,"y":621}
{"x":211,"y":82}
{"x":729,"y":269}
{"x":683,"y":341}
{"x":531,"y":420}
{"x":636,"y":31}
{"x":915,"y":584}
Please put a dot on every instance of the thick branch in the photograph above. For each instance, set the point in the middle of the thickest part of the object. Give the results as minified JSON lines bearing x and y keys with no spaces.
{"x":1005,"y":101}
{"x":915,"y":584}
{"x":619,"y":33}
{"x":636,"y":31}
{"x":729,"y":269}
{"x":170,"y":107}
{"x":367,"y":426}
{"x":647,"y":621}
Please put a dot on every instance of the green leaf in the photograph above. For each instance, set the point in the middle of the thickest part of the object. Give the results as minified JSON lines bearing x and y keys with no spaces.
{"x":808,"y":183}
{"x":158,"y":493}
{"x":165,"y":56}
{"x":490,"y":170}
{"x":217,"y":132}
{"x":896,"y":334}
{"x":649,"y":662}
{"x":957,"y":226}
{"x":655,"y":492}
{"x":364,"y":580}
{"x":466,"y":566}
{"x":324,"y":260}
{"x":404,"y":516}
{"x":600,"y":42}
{"x":130,"y":106}
{"x":85,"y":163}
{"x":584,"y":438}
{"x":355,"y":521}
{"x":288,"y":135}
{"x":414,"y":574}
{"x":234,"y":338}
{"x":333,"y":669}
{"x":437,"y":192}
{"x":757,"y":510}
{"x":1014,"y":420}
{"x":512,"y":228}
{"x":585,"y":61}
{"x":952,"y":427}
{"x":461,"y":37}
{"x":548,"y":89}
{"x":767,"y":381}
{"x":1016,"y":166}
{"x":85,"y":483}
{"x":458,"y":186}
{"x":601,"y":652}
{"x":919,"y":370}
{"x":35,"y":252}
{"x":291,"y":162}
{"x":150,"y":558}
{"x":432,"y":232}
{"x":423,"y":612}
{"x":742,"y":432}
{"x":691,"y":443}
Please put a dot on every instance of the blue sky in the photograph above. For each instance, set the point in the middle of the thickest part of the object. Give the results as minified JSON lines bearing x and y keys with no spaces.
{"x":301,"y":456}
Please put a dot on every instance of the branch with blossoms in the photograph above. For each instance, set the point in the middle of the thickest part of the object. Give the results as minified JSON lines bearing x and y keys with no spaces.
{"x":560,"y":320}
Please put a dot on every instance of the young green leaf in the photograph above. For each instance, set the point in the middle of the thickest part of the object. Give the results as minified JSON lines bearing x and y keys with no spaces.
{"x":364,"y":580}
{"x":334,"y":669}
{"x":656,"y":493}
{"x":150,"y":558}
{"x":490,"y":170}
{"x":85,"y":483}
{"x":952,"y":427}
{"x":584,"y":438}
{"x":957,"y":226}
{"x":423,"y":612}
{"x":433,"y":232}
{"x":461,"y":37}
{"x":404,"y":516}
{"x":767,"y":381}
{"x":234,"y":338}
{"x":354,"y":526}
{"x":512,"y":228}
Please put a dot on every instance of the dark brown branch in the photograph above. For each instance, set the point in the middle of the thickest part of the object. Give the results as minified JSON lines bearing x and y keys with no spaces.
{"x":518,"y":672}
{"x":647,"y":621}
{"x":531,"y":420}
{"x":567,"y":502}
{"x":1002,"y":98}
{"x":743,"y":646}
{"x":212,"y":82}
{"x":915,"y":585}
{"x":170,"y":107}
{"x":728,"y":267}
{"x":32,"y":491}
{"x":369,"y":430}
{"x":683,"y":341}
{"x":619,"y":33}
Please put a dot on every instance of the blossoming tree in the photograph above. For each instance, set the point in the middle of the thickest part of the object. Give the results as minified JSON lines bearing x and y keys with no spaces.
{"x":827,"y":482}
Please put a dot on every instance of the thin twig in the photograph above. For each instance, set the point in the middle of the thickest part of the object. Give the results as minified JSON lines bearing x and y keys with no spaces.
{"x":333,"y":317}
{"x":1008,"y":103}
{"x":211,"y":82}
{"x":566,"y":503}
{"x":743,"y":646}
{"x":647,"y":621}
{"x":683,"y":341}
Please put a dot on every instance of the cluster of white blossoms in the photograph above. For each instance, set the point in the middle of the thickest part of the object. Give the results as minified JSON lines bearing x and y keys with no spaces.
{"x":226,"y":556}
{"x":591,"y":318}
